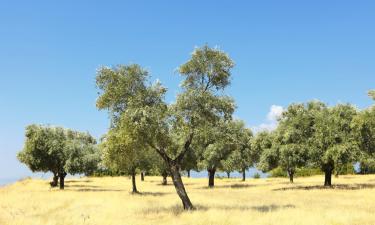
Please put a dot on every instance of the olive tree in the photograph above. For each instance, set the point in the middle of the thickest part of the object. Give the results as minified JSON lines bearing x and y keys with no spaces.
{"x":263,"y":144}
{"x":124,"y":154}
{"x":333,"y":143}
{"x":293,"y":133}
{"x":59,"y":151}
{"x":242,"y":157}
{"x":168,"y":129}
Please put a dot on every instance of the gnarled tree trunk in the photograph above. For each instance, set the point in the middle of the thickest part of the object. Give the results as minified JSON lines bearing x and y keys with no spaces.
{"x":228,"y":174}
{"x":188,"y":173}
{"x":211,"y":177}
{"x":179,"y":185}
{"x":243,"y":174}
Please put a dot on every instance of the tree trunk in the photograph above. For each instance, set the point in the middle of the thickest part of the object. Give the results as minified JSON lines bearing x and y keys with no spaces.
{"x":188,"y":173}
{"x":164,"y":180}
{"x":133,"y":183}
{"x":228,"y":175}
{"x":142,"y":176}
{"x":55,"y":180}
{"x":328,"y":177}
{"x":243,"y":174}
{"x":291,"y":174}
{"x":62,"y":180}
{"x":211,"y":177}
{"x":179,"y":185}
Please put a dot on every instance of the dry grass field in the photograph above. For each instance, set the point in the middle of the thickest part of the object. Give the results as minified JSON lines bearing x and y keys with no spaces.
{"x":257,"y":201}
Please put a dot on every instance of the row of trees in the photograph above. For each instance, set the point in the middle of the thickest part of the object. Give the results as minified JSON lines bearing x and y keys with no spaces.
{"x":197,"y":131}
{"x":317,"y":136}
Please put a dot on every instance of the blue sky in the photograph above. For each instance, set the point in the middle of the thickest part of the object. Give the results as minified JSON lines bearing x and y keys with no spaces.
{"x":285,"y":51}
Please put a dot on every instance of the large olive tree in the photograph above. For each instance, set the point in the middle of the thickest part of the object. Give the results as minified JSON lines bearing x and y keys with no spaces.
{"x":169,"y":129}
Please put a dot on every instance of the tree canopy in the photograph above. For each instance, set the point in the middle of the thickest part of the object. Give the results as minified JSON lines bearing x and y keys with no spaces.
{"x":60,"y":151}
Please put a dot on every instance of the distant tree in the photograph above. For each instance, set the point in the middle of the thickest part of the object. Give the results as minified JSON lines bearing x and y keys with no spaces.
{"x":168,"y":129}
{"x":160,"y":169}
{"x":58,"y":150}
{"x":189,"y":162}
{"x":214,"y":145}
{"x":333,"y":143}
{"x":242,"y":157}
{"x":363,"y":126}
{"x":293,"y":133}
{"x":125,"y":154}
{"x":262,"y":143}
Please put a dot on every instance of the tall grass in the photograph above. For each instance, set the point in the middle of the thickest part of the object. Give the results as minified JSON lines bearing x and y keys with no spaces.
{"x":107,"y":200}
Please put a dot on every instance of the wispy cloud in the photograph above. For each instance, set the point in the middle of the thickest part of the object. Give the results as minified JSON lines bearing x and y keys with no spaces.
{"x":271,"y":120}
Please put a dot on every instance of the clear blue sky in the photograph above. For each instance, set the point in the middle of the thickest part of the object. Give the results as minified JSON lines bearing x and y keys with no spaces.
{"x":285,"y":51}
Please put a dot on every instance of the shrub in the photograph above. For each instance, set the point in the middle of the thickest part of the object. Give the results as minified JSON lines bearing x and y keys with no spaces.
{"x":256,"y":176}
{"x":300,"y":172}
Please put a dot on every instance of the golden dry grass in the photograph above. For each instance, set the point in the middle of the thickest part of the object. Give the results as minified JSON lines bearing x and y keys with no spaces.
{"x":263,"y":201}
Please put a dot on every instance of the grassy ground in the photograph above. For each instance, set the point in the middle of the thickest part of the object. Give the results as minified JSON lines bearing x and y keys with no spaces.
{"x":262,"y":201}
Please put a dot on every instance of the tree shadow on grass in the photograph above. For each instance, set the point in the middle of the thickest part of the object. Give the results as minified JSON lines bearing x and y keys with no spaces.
{"x":96,"y":190}
{"x":155,"y":194}
{"x":178,"y":209}
{"x":260,"y":208}
{"x":235,"y":186}
{"x":82,"y":186}
{"x":78,"y":181}
{"x":336,"y":186}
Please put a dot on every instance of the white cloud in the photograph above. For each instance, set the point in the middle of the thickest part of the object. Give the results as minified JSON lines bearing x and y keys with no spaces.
{"x":275,"y":113}
{"x":271,"y":120}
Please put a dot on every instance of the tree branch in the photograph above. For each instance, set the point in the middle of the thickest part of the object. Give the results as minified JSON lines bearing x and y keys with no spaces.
{"x":186,"y":148}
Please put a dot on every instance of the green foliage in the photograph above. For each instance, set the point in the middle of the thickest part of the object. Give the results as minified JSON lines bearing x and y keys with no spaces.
{"x":242,"y":157}
{"x":119,"y":83}
{"x":59,"y":150}
{"x":372,"y":94}
{"x":333,"y":143}
{"x":363,"y":126}
{"x":262,"y":144}
{"x":207,"y":68}
{"x":367,"y":166}
{"x":141,"y":117}
{"x":278,"y":172}
{"x":300,"y":172}
{"x":256,"y":176}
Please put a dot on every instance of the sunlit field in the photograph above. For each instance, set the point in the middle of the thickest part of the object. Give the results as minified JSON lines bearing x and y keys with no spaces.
{"x":257,"y":201}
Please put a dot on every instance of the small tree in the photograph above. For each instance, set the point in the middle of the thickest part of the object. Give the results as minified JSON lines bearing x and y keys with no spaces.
{"x":262,"y":144}
{"x":293,"y":132}
{"x":123,"y":153}
{"x":189,"y":162}
{"x":214,"y":146}
{"x":243,"y":157}
{"x":57,"y":150}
